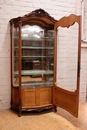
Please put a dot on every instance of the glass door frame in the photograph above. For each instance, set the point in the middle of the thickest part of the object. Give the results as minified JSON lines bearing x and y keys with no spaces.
{"x":65,"y":99}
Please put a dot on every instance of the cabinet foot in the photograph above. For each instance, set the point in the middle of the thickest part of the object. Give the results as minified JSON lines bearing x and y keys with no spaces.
{"x":20,"y":112}
{"x":11,"y":108}
{"x":55,"y":108}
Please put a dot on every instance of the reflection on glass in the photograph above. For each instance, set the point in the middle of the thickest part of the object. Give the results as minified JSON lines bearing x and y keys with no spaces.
{"x":67,"y":52}
{"x":37,"y":57}
{"x":16,"y":58}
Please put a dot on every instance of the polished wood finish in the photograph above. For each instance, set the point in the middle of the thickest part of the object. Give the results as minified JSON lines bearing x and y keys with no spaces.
{"x":15,"y":98}
{"x":67,"y":100}
{"x":61,"y":97}
{"x":38,"y":17}
{"x":36,"y":97}
{"x":30,"y":98}
{"x":44,"y":98}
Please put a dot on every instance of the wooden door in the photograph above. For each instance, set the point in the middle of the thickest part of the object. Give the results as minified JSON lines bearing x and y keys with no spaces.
{"x":67,"y":64}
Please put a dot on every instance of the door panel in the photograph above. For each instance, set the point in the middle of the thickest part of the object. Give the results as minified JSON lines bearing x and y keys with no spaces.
{"x":45,"y":96}
{"x":67,"y":100}
{"x":67,"y":63}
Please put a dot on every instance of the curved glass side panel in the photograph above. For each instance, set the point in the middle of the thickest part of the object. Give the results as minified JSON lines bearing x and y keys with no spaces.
{"x":15,"y":57}
{"x":37,"y":57}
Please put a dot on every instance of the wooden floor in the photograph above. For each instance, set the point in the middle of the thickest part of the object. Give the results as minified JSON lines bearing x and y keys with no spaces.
{"x":9,"y":120}
{"x":81,"y":121}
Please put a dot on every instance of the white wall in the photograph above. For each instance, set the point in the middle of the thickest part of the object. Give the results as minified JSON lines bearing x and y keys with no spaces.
{"x":15,"y":8}
{"x":83,"y":77}
{"x":83,"y":86}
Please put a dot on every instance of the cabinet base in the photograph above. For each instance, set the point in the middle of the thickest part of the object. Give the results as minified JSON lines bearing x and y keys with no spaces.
{"x":38,"y":109}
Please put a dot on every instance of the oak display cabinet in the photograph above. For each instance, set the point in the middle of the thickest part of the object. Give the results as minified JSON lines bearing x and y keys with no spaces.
{"x":34,"y":63}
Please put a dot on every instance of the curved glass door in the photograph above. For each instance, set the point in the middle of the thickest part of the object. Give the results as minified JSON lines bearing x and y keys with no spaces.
{"x":37,"y":57}
{"x":67,"y":63}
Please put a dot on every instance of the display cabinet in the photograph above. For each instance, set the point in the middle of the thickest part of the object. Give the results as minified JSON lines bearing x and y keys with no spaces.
{"x":34,"y":63}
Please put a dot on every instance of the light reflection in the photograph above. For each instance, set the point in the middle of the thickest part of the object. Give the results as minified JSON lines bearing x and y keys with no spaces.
{"x":32,"y":31}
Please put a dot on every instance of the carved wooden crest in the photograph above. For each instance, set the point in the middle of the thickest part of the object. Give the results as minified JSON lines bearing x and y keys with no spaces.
{"x":40,"y":12}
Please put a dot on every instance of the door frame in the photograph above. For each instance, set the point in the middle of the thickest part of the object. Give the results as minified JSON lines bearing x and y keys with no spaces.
{"x":63,"y":98}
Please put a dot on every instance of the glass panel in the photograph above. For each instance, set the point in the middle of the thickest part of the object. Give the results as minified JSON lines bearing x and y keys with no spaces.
{"x":15,"y":57}
{"x":67,"y":52}
{"x":37,"y":57}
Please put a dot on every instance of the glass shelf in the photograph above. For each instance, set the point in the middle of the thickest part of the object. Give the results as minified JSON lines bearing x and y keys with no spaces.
{"x":35,"y":56}
{"x":34,"y":47}
{"x":34,"y":72}
{"x":36,"y":39}
{"x":37,"y":85}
